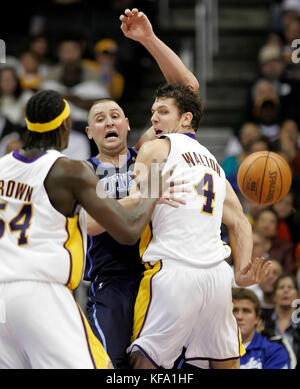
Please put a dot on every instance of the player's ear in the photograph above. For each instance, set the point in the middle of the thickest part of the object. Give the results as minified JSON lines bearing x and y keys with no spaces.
{"x":128,"y":125}
{"x":187,"y":118}
{"x":88,"y":132}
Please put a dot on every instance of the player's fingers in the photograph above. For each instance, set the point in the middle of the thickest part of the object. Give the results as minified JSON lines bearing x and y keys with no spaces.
{"x":257,"y":269}
{"x":266,"y":268}
{"x":135,"y":11}
{"x":128,"y":13}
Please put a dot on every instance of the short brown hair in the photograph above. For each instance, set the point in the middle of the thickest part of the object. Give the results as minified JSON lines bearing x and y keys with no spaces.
{"x":247,"y":294}
{"x":186,"y":100}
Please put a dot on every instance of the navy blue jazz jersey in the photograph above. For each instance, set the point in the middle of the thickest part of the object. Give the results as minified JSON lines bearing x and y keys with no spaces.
{"x":115,"y":272}
{"x":105,"y":255}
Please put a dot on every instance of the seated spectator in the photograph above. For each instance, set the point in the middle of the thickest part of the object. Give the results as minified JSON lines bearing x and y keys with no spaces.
{"x":74,"y":80}
{"x":106,"y":51}
{"x":282,"y":322}
{"x":251,"y":209}
{"x":232,"y":163}
{"x":288,"y":146}
{"x":246,"y":132}
{"x":8,"y":133}
{"x":39,"y":45}
{"x":290,"y":10}
{"x":12,"y":99}
{"x":272,"y":68}
{"x":261,"y":353}
{"x":289,"y":224}
{"x":265,"y":289}
{"x":29,"y":71}
{"x":266,"y":223}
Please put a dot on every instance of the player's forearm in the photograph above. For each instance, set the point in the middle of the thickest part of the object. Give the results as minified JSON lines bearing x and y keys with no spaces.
{"x":241,"y":243}
{"x":94,"y":228}
{"x":138,"y":218}
{"x":169,"y":63}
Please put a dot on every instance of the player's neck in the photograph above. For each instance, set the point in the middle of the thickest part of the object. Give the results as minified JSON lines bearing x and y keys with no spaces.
{"x":115,"y":158}
{"x":34,"y":152}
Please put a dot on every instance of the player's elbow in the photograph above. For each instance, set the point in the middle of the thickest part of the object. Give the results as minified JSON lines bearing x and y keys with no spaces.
{"x":194,"y":84}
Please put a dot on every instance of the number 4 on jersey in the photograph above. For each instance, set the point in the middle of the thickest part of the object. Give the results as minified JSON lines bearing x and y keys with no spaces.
{"x":205,"y":188}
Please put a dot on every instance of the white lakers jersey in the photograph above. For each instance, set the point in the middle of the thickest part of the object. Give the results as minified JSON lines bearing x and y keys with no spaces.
{"x":190,"y":234}
{"x":36,"y":241}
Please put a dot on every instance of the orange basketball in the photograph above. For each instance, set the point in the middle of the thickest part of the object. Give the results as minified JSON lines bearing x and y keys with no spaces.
{"x":264,"y":177}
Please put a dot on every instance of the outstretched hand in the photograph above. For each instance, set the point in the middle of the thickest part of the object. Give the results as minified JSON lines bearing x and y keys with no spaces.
{"x":253,"y":273}
{"x":135,"y":25}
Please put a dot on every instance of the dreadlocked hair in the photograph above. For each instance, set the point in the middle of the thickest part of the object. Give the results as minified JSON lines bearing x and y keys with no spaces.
{"x":186,"y":100}
{"x":43,"y":107}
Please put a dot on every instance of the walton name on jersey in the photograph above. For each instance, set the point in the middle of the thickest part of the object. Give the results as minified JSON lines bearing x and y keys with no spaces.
{"x":193,"y":159}
{"x":18,"y":190}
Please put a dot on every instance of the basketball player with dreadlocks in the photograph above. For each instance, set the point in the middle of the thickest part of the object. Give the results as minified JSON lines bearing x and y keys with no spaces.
{"x":42,"y":244}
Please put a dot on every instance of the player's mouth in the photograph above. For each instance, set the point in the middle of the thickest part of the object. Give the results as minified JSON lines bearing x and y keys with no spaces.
{"x":158,"y":132}
{"x":111,"y":134}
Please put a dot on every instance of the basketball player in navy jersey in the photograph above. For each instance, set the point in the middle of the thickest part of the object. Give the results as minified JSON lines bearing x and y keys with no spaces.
{"x":115,"y":270}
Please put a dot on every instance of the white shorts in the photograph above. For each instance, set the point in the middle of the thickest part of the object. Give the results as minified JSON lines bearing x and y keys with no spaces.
{"x":42,"y":327}
{"x":179,"y":306}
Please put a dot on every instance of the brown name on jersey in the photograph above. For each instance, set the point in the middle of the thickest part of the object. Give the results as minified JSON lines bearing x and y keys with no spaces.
{"x":17,"y":190}
{"x":193,"y":159}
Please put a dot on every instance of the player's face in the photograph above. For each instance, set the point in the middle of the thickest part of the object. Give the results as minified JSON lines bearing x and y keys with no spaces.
{"x":108,"y":126}
{"x":246,"y":317}
{"x":165,"y":116}
{"x":285,"y":292}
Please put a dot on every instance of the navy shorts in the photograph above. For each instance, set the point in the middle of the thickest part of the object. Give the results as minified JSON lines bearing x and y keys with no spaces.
{"x":110,"y":310}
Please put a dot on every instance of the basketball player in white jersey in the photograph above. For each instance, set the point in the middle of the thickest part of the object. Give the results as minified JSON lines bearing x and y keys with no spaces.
{"x":184,"y":300}
{"x":42,"y":244}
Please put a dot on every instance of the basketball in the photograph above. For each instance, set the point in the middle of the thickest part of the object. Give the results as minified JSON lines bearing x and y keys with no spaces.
{"x":264,"y":177}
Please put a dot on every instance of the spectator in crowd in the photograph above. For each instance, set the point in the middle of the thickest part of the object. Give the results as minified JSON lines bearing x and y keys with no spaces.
{"x":266,"y":223}
{"x":8,"y":132}
{"x":272,"y":68}
{"x":39,"y":45}
{"x":290,"y":10}
{"x":265,"y":289}
{"x":288,"y":227}
{"x":287,"y":145}
{"x":106,"y":55}
{"x":29,"y":71}
{"x":261,"y":353}
{"x":246,"y":132}
{"x":12,"y":99}
{"x":74,"y":80}
{"x":284,"y":320}
{"x":231,"y":164}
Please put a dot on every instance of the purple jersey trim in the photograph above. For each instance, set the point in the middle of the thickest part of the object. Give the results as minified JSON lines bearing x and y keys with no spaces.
{"x":21,"y":158}
{"x":191,"y":135}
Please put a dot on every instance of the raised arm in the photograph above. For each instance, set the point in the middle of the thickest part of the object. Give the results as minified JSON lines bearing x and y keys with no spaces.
{"x":136,"y":26}
{"x":247,"y":272}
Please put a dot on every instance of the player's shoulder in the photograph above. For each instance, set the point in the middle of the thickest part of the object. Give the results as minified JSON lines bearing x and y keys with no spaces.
{"x":155,"y":148}
{"x":66,"y":167}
